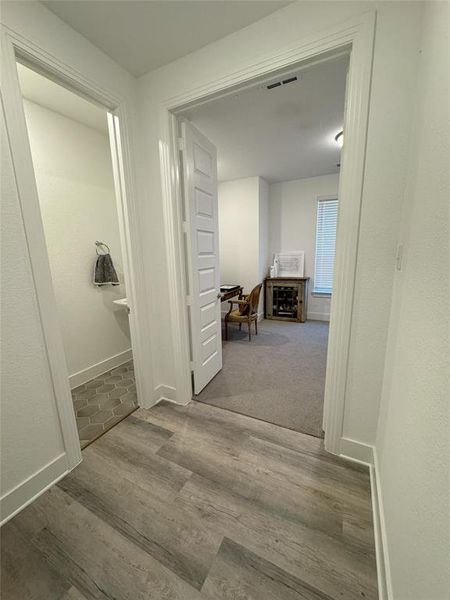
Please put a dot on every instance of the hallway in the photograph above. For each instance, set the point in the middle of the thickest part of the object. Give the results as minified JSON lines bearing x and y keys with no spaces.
{"x":197,"y":503}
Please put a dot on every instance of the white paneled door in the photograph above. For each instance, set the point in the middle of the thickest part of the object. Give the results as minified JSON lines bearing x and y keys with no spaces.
{"x":200,"y":196}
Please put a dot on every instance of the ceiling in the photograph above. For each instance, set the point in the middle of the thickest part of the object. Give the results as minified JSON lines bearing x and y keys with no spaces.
{"x":280,"y":134}
{"x":43,"y":91}
{"x":144,"y":35}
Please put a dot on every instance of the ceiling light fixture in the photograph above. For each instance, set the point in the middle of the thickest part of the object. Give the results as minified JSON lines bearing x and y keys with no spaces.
{"x":339,"y":137}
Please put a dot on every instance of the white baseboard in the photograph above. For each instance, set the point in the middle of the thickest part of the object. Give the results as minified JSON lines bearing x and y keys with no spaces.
{"x":26,"y":492}
{"x":367,"y":455}
{"x":101,"y":367}
{"x":357,"y":451}
{"x":385,"y":591}
{"x":164,"y":392}
{"x":315,"y":316}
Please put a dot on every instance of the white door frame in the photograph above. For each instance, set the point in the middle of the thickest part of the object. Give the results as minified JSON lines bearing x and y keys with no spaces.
{"x":14,"y":46}
{"x":357,"y":36}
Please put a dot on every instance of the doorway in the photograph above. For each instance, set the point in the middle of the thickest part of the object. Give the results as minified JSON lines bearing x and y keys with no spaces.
{"x":276,"y":204}
{"x":71,"y":149}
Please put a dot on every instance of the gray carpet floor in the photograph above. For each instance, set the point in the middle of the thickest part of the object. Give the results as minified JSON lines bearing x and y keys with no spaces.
{"x":278,"y":377}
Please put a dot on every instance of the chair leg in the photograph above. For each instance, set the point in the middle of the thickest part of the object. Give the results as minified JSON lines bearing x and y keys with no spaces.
{"x":240,"y":326}
{"x":226,"y":330}
{"x":256,"y":325}
{"x":249,"y":330}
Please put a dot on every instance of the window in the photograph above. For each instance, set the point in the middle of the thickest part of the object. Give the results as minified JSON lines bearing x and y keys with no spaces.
{"x":327,"y":213}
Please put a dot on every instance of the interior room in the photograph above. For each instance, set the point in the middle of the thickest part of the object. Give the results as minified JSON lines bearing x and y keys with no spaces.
{"x":278,"y":160}
{"x":160,"y":159}
{"x":71,"y":155}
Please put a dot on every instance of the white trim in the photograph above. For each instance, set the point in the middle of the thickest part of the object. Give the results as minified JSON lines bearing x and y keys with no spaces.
{"x":34,"y":233}
{"x":175,"y":251}
{"x":27,"y":491}
{"x":13,"y":45}
{"x":357,"y":34}
{"x":138,"y":317}
{"x":315,"y":316}
{"x":164,"y":392}
{"x":99,"y":368}
{"x":385,"y":589}
{"x":354,"y":450}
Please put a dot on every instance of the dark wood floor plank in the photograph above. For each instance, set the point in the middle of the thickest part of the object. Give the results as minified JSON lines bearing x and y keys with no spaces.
{"x":322,"y":561}
{"x":202,"y":418}
{"x":39,"y":514}
{"x":140,"y":434}
{"x":296,"y":487}
{"x":239,"y":573}
{"x":180,"y":542}
{"x":197,"y":502}
{"x":141,"y":464}
{"x":102,"y":563}
{"x":25,"y":572}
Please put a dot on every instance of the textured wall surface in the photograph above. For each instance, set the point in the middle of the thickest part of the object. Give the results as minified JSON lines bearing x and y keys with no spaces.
{"x":413,"y":433}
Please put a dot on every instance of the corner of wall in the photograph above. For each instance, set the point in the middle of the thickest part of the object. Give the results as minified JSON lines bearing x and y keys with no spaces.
{"x":164,"y":392}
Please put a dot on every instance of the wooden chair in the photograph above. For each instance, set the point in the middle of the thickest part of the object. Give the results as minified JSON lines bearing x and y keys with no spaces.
{"x":246,"y":312}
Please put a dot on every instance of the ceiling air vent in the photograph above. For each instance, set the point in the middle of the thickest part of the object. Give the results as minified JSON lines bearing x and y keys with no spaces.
{"x":282,"y":82}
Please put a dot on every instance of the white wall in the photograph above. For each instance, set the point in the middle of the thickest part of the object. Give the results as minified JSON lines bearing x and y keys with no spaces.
{"x":243,"y":233}
{"x":265,"y":258}
{"x":393,"y":86}
{"x":33,"y":453}
{"x":413,"y":432}
{"x":239,"y":232}
{"x":293,"y":213}
{"x":75,"y":183}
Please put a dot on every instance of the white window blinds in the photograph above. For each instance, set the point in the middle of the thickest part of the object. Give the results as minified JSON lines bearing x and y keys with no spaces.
{"x":327,"y":213}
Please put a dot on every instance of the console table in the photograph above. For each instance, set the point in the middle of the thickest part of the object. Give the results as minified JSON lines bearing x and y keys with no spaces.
{"x":286,"y":298}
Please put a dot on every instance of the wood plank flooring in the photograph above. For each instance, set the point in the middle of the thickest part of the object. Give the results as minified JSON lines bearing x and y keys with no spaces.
{"x":197,"y":503}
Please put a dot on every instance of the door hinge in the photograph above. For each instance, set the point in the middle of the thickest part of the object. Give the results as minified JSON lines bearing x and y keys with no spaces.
{"x":181,"y":145}
{"x":192,"y":365}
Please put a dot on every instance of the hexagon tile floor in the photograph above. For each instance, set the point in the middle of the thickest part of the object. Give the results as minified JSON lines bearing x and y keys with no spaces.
{"x":104,"y":401}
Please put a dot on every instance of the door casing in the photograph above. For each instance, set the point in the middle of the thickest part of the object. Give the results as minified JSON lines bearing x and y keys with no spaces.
{"x":355,"y":36}
{"x":16,"y":48}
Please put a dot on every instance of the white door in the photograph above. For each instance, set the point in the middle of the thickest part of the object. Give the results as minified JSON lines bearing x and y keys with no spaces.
{"x":200,"y":197}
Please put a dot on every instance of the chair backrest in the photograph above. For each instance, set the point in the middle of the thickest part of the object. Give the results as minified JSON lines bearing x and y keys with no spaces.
{"x":251,"y":306}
